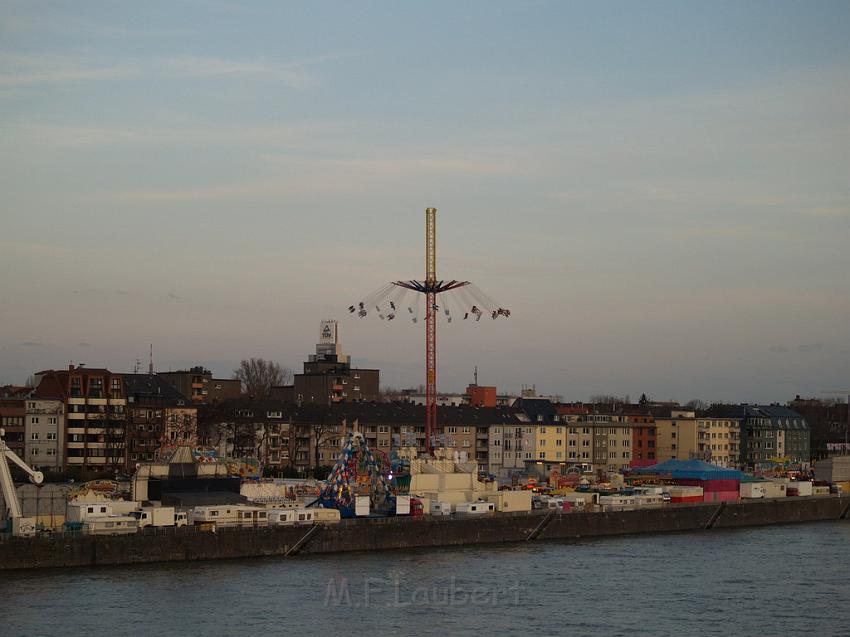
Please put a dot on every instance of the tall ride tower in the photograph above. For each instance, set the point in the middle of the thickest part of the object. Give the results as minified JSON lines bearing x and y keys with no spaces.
{"x":469,"y":300}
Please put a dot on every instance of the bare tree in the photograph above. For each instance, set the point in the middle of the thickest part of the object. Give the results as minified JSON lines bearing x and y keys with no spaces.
{"x":258,"y":376}
{"x":697,"y":405}
{"x":324,"y":434}
{"x":609,"y":399}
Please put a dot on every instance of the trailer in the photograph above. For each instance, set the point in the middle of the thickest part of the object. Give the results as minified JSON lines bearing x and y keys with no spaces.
{"x":440,"y":508}
{"x":282,"y":517}
{"x":219,"y":514}
{"x":111,"y":525}
{"x":475,"y":508}
{"x":84,"y":511}
{"x":326,"y":516}
{"x":402,"y":505}
{"x":252,"y":516}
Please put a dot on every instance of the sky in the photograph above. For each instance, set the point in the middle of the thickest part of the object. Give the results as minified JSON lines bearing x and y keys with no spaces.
{"x":659,"y":191}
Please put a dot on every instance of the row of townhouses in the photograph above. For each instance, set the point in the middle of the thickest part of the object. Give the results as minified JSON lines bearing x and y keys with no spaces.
{"x":95,"y":420}
{"x":504,"y":440}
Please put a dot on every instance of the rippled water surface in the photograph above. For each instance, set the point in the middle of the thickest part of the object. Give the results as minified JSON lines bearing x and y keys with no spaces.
{"x":786,"y":580}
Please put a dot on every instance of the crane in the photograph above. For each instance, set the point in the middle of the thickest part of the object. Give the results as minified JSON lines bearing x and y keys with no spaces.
{"x":21,"y":526}
{"x":844,"y":392}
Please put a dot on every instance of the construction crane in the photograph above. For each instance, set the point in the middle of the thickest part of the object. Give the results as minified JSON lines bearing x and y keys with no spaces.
{"x":21,"y":526}
{"x":844,"y":392}
{"x":449,"y":298}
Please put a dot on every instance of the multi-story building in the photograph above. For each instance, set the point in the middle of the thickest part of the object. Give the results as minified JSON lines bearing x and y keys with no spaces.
{"x":198,"y":384}
{"x":13,"y":420}
{"x":159,"y":418}
{"x":769,"y":434}
{"x":95,"y":416}
{"x":481,"y":396}
{"x":620,"y":440}
{"x":829,"y":425}
{"x":511,"y":445}
{"x":45,"y":433}
{"x":793,"y":437}
{"x":677,"y":434}
{"x":328,"y":376}
{"x":282,"y":434}
{"x":644,"y":440}
{"x":719,"y":440}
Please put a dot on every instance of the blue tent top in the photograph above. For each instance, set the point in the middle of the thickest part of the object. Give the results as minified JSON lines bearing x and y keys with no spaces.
{"x":691,"y":470}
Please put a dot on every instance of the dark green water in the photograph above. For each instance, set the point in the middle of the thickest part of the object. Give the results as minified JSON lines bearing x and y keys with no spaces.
{"x":785,"y":580}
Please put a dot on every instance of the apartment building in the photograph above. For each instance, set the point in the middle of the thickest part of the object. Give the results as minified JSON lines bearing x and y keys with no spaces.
{"x":677,"y":434}
{"x":511,"y":445}
{"x":199,"y":386}
{"x":719,"y":440}
{"x":159,"y":418}
{"x":328,"y":376}
{"x":310,"y":435}
{"x":95,"y":415}
{"x":45,"y":433}
{"x":769,"y":434}
{"x":13,"y":414}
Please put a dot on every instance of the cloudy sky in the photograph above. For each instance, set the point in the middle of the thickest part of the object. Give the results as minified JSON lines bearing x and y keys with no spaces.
{"x":660,"y":191}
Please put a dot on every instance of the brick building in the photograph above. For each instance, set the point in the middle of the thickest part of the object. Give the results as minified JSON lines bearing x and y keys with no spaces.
{"x":95,"y":415}
{"x":158,"y":418}
{"x":199,"y":386}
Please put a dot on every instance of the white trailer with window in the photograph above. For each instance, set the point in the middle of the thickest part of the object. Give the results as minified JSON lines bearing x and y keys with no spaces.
{"x":85,"y":511}
{"x":111,"y":525}
{"x":475,"y":508}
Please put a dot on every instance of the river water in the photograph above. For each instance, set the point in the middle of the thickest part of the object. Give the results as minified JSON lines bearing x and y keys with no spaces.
{"x":782,"y":580}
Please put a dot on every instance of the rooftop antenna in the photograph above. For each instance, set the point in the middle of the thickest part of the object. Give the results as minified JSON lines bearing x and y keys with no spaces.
{"x":150,"y":363}
{"x":476,"y":375}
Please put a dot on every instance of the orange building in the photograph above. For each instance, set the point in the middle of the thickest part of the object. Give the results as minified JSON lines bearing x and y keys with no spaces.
{"x":643,"y":440}
{"x":480,"y":396}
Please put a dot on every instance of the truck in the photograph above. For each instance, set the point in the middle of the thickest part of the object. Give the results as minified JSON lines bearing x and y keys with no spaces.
{"x":160,"y":516}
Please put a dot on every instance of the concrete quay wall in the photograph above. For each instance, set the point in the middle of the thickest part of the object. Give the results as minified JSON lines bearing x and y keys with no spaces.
{"x":187,"y":544}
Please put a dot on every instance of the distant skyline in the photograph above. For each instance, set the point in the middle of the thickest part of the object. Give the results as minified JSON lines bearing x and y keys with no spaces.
{"x":659,"y":191}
